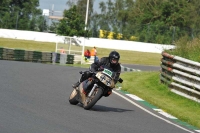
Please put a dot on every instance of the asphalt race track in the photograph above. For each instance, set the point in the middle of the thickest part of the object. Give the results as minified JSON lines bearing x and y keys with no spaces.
{"x":34,"y":99}
{"x":142,"y":67}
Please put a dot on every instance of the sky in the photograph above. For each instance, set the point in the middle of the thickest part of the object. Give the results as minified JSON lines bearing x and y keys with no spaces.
{"x":60,"y":5}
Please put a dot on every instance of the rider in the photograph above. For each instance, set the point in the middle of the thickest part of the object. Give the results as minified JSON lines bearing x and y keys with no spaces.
{"x":112,"y":61}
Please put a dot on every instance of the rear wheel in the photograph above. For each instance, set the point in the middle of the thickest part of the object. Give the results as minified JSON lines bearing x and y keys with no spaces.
{"x":90,"y":101}
{"x":73,"y":97}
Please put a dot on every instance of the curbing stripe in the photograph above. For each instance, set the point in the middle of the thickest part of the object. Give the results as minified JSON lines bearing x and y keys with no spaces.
{"x":164,"y":113}
{"x":185,"y":124}
{"x":135,"y":97}
{"x":160,"y":111}
{"x":148,"y":104}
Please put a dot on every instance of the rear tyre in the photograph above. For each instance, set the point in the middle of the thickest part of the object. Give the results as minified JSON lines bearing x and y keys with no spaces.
{"x":73,"y":97}
{"x":90,"y":102}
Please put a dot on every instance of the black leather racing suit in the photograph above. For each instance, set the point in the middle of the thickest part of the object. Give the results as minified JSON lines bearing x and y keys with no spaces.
{"x":98,"y":66}
{"x":104,"y":62}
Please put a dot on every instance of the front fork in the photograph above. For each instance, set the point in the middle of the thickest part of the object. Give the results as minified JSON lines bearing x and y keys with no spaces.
{"x":92,"y":90}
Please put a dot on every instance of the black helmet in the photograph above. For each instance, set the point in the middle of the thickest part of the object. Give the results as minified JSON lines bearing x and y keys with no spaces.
{"x":114,"y":56}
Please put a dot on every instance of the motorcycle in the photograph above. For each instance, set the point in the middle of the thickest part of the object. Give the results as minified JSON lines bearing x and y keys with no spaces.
{"x":101,"y":83}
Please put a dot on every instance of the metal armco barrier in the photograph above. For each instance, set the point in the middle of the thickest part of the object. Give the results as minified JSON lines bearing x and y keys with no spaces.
{"x":182,"y":76}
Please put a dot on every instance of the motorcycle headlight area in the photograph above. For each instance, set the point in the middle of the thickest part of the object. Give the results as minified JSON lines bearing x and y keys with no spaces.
{"x":105,"y":80}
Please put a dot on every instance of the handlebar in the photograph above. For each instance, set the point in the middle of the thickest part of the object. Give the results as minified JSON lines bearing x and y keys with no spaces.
{"x":81,"y":72}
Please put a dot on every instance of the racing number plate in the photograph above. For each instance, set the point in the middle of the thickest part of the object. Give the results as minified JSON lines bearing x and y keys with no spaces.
{"x":107,"y":72}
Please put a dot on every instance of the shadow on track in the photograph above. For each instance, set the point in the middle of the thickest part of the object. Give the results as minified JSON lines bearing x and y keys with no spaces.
{"x":101,"y":108}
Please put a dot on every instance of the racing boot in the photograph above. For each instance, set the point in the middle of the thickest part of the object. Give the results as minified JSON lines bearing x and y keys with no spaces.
{"x":83,"y":77}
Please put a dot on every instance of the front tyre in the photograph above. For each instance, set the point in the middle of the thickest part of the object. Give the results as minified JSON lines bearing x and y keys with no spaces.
{"x":73,"y":96}
{"x":90,"y":101}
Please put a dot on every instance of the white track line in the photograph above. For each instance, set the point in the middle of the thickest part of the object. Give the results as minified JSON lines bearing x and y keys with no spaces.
{"x":151,"y":112}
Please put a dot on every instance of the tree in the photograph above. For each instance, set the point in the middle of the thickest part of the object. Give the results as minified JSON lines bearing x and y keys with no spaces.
{"x":104,"y":19}
{"x":19,"y":14}
{"x":53,"y":26}
{"x":94,"y":25}
{"x":161,"y":16}
{"x":81,"y":6}
{"x":114,"y":16}
{"x":72,"y":24}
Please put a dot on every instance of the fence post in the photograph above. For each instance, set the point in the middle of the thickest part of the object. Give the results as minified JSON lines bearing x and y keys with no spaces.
{"x":173,"y":34}
{"x":16,"y":25}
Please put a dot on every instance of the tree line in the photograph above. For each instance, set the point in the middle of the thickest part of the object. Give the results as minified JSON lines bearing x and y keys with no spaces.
{"x":153,"y":21}
{"x":21,"y":15}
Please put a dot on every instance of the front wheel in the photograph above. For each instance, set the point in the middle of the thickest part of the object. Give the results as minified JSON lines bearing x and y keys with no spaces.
{"x":90,"y":101}
{"x":73,"y":97}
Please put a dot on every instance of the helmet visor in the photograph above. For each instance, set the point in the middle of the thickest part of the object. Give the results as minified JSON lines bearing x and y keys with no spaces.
{"x":114,"y":61}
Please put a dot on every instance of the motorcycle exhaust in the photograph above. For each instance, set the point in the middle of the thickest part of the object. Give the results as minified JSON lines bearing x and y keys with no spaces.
{"x":92,"y":90}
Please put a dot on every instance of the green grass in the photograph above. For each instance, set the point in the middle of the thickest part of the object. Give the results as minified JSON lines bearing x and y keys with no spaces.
{"x":143,"y":84}
{"x":27,"y":45}
{"x":127,"y":57}
{"x":147,"y":86}
{"x":187,"y":49}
